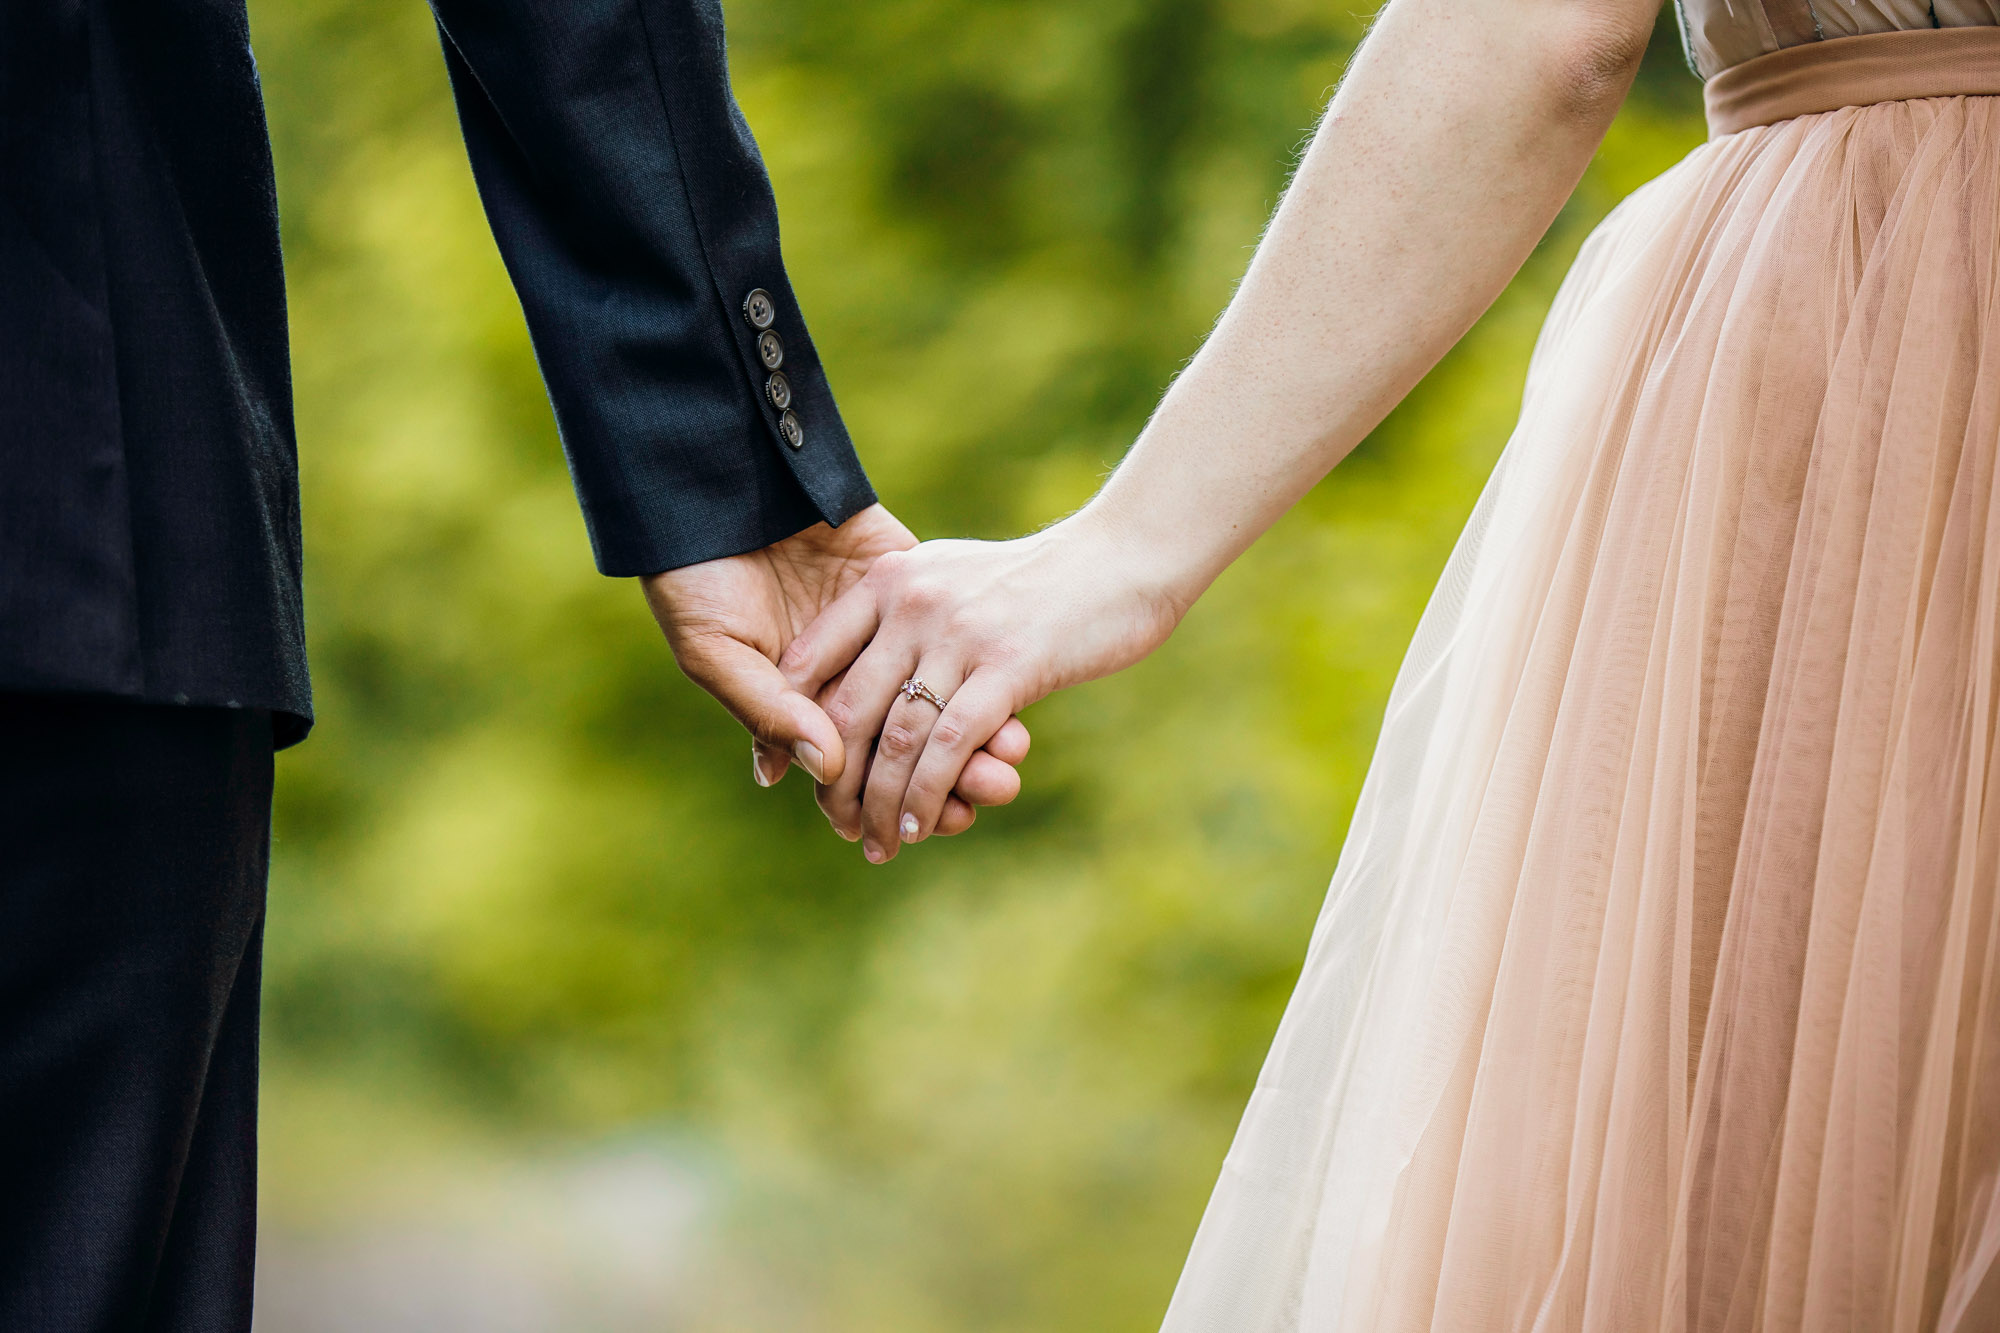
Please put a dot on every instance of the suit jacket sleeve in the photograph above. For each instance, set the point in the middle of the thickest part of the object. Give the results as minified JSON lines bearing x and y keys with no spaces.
{"x":636,"y":218}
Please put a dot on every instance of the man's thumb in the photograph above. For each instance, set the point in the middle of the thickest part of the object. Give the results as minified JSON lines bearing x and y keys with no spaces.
{"x":815,"y":744}
{"x":782,"y":721}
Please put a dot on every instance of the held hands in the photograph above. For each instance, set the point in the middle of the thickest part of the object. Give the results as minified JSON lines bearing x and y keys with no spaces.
{"x":728,"y":621}
{"x":989,"y":627}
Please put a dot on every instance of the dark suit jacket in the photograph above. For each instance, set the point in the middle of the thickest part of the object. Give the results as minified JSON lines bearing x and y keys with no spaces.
{"x":149,"y":517}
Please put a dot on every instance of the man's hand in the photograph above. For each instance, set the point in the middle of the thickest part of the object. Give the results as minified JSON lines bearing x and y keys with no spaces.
{"x":729,"y":620}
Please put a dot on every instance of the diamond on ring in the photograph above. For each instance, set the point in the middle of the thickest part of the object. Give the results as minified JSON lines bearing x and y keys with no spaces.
{"x":916,"y":689}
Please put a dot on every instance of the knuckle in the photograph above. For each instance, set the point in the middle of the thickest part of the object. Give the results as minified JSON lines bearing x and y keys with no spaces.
{"x":949,"y":733}
{"x":840,"y":712}
{"x":968,"y":617}
{"x":887,"y":569}
{"x":924,"y":795}
{"x":899,"y":741}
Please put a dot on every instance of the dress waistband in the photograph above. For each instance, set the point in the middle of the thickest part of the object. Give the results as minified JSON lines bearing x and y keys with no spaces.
{"x":1854,"y":71}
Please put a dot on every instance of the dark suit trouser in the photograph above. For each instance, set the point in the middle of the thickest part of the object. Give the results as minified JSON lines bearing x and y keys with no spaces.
{"x":133,"y":848}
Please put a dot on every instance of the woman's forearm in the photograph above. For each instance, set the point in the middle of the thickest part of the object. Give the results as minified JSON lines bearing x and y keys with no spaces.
{"x":1459,"y":131}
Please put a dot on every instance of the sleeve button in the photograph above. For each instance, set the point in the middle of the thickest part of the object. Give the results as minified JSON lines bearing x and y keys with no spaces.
{"x":760,"y":309}
{"x":770,"y":349}
{"x":789,"y":427}
{"x":779,"y":390}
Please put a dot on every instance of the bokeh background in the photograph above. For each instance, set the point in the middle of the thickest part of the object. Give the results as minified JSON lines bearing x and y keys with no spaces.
{"x":570,"y":1026}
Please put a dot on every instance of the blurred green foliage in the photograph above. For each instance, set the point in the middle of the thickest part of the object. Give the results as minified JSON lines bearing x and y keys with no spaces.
{"x":525,"y":891}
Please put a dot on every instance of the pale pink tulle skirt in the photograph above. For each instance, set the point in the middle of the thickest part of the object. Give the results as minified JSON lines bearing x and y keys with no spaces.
{"x":1658,"y":986}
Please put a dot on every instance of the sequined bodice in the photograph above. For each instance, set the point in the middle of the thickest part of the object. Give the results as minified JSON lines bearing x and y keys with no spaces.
{"x":1721,"y":33}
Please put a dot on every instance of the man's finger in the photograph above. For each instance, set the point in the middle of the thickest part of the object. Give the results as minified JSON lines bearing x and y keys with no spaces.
{"x":987,"y":781}
{"x":757,"y":695}
{"x":1009,"y":744}
{"x":989,"y":777}
{"x":957,"y":817}
{"x":768,"y":763}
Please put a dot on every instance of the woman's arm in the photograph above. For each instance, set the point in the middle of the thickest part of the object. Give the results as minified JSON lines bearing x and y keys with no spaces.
{"x":1460,"y":129}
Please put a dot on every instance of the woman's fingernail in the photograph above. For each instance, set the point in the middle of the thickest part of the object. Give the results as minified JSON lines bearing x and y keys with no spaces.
{"x":851,"y":837}
{"x":757,"y":768}
{"x":811,"y":760}
{"x":909,"y":828}
{"x":875,"y":854}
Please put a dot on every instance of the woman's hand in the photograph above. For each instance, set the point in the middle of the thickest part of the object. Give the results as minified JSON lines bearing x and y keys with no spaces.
{"x":990,"y":627}
{"x":1367,"y":275}
{"x":728,"y":620}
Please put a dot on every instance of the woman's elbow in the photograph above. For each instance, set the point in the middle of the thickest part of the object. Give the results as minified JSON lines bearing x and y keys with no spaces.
{"x":1593,"y":50}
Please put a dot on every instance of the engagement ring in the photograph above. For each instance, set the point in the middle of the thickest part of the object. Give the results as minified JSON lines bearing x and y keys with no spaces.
{"x":916,"y":689}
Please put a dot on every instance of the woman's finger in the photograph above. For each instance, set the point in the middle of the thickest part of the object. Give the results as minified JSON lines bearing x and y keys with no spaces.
{"x":859,"y":708}
{"x":835,"y":638}
{"x":843,"y":809}
{"x":988,"y":779}
{"x":979,"y":709}
{"x":905,"y":732}
{"x":827,"y":693}
{"x":985,"y":781}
